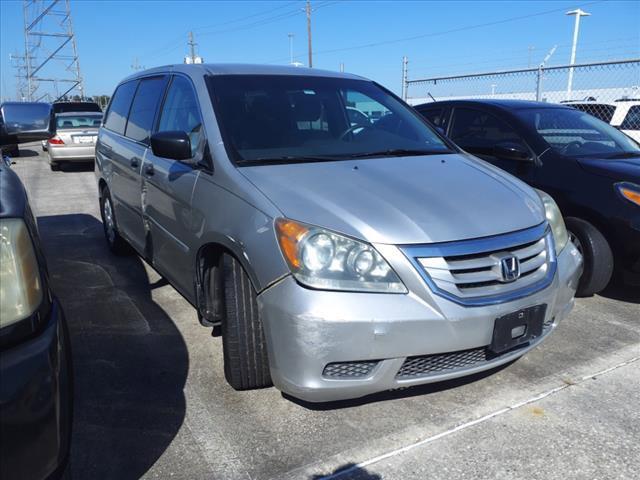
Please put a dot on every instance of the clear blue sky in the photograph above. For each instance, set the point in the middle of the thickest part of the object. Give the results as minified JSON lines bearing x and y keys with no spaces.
{"x":439,"y":38}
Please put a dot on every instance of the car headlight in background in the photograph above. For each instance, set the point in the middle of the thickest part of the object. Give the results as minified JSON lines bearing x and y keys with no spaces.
{"x":322,"y":259}
{"x":629,"y":191}
{"x":554,"y":217}
{"x":20,"y":288}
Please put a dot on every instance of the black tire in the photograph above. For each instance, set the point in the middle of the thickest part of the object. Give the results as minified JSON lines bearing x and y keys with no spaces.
{"x":596,"y":254}
{"x":116,"y":243}
{"x":246,"y":365}
{"x":55,"y":166}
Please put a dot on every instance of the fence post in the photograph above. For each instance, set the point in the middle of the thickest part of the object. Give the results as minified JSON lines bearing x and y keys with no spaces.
{"x":539,"y":83}
{"x":405,"y":79}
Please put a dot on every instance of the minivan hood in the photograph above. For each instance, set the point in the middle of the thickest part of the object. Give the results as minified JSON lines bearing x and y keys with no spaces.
{"x":401,"y":200}
{"x":622,"y":169}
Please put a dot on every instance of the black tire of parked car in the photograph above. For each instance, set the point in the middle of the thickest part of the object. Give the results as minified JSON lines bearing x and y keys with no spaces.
{"x":596,"y":253}
{"x":55,"y":166}
{"x":117,"y":244}
{"x":246,"y":365}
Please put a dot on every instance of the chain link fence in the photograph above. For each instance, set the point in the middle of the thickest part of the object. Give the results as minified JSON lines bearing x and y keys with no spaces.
{"x":598,"y":88}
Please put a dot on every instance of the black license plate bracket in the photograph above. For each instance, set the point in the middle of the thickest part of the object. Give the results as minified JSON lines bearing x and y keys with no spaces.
{"x":517,"y":328}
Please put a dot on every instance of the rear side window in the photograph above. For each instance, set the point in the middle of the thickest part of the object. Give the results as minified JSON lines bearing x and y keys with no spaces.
{"x":477,"y":131}
{"x":119,"y":109}
{"x":632,"y":120}
{"x":143,"y":109}
{"x":180,"y":112}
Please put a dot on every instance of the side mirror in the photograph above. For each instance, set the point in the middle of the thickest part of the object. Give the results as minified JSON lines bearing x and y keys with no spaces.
{"x":512,"y":151}
{"x":22,"y":122}
{"x":175,"y":145}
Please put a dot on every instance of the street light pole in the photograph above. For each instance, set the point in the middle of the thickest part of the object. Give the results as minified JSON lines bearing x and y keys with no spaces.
{"x":576,"y":28}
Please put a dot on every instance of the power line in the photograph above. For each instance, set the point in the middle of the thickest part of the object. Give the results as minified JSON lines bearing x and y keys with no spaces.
{"x":444,"y":32}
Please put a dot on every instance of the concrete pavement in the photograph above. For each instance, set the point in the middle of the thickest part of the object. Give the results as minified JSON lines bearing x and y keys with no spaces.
{"x":152,"y":401}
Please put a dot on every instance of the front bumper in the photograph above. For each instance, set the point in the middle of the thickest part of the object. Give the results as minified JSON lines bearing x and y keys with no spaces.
{"x":36,"y":404}
{"x":308,"y":329}
{"x":72,"y":152}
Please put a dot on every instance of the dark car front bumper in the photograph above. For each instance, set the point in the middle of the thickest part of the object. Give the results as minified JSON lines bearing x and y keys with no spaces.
{"x":36,"y":403}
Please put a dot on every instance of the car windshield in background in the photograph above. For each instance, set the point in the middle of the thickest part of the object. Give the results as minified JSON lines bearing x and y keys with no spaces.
{"x":285,"y":118}
{"x":61,"y":107}
{"x":578,"y":134}
{"x":78,"y":121}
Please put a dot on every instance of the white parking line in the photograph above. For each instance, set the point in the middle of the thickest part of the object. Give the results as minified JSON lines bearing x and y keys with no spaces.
{"x":477,"y":421}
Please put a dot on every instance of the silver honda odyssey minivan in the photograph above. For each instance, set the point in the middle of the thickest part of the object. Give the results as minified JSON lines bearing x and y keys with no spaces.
{"x":338,"y":254}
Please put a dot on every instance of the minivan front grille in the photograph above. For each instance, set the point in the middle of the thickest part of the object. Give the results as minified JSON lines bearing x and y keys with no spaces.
{"x":471,"y":272}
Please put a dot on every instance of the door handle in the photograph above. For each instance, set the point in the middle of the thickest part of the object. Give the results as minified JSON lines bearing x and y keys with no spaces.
{"x":135,"y":162}
{"x":148,"y":169}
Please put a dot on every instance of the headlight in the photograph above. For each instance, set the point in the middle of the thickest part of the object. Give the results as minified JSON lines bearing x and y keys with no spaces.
{"x":554,"y":217}
{"x":20,"y":289}
{"x":629,"y":191}
{"x":319,"y":258}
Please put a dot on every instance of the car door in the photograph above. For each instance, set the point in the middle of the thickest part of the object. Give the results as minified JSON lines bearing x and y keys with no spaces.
{"x":117,"y":155}
{"x":479,"y":131}
{"x":168,"y":186}
{"x":128,"y":154}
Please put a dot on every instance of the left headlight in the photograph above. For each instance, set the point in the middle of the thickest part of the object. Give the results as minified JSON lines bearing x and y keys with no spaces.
{"x":20,"y":289}
{"x":554,"y":217}
{"x":322,"y":259}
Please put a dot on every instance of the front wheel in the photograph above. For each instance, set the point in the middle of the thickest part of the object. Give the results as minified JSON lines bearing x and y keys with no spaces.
{"x":596,"y":255}
{"x":117,"y":244}
{"x":246,"y":365}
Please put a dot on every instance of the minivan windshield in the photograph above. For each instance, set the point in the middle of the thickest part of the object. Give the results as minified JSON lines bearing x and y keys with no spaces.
{"x":288,"y":118}
{"x":577,"y":134}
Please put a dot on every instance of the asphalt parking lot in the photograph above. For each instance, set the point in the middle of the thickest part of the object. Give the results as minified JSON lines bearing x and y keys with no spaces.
{"x":151,"y":399}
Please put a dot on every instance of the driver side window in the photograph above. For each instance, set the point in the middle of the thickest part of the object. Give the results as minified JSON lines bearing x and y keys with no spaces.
{"x":180,"y":112}
{"x":479,"y":132}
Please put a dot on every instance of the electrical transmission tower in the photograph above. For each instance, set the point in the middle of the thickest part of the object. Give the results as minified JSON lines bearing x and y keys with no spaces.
{"x":50,"y":67}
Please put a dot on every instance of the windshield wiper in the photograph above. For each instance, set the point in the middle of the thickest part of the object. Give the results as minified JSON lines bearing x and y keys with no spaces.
{"x":623,"y":155}
{"x":398,"y":152}
{"x":287,"y":159}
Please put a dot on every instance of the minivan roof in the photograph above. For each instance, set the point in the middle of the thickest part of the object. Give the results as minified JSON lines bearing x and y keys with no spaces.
{"x":243,"y":69}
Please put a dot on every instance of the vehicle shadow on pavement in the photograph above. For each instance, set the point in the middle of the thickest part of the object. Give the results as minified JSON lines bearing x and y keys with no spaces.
{"x":129,"y":358}
{"x":72,"y":167}
{"x":25,"y":152}
{"x":349,"y":471}
{"x":398,"y":393}
{"x":624,"y":293}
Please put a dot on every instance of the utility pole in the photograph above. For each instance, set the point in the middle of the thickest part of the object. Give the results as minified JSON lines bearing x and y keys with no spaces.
{"x":192,"y":57}
{"x":576,"y":27}
{"x":308,"y":12}
{"x":136,"y":66}
{"x":405,"y":78}
{"x":192,"y":46}
{"x":290,"y":35}
{"x":531,"y":49}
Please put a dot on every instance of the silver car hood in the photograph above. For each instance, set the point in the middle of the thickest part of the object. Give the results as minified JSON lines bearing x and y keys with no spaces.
{"x":402,"y":200}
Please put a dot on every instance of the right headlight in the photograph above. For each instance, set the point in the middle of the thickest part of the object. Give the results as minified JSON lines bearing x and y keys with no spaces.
{"x":322,"y":259}
{"x":629,"y":191}
{"x":20,"y":288}
{"x":554,"y":217}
